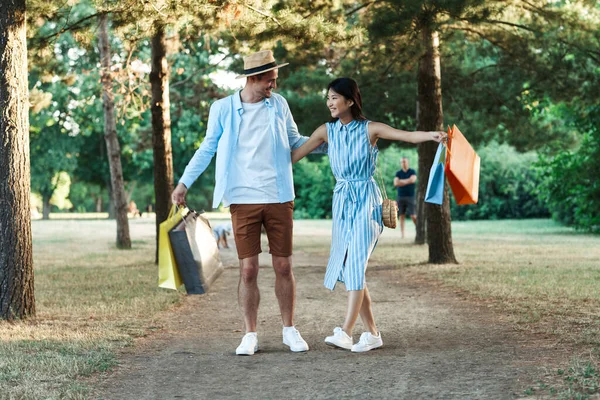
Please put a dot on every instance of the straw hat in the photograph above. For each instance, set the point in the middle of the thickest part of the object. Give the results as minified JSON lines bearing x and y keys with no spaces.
{"x":258,"y":63}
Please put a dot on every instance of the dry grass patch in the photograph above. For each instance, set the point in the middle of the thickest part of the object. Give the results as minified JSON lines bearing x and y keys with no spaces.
{"x":91,"y":299}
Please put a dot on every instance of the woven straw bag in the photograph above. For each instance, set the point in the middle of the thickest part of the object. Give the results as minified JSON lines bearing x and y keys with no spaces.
{"x":389,"y":208}
{"x":389,"y":212}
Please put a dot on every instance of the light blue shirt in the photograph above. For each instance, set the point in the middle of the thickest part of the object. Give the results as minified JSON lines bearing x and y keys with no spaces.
{"x":222,"y":136}
{"x":254,"y":163}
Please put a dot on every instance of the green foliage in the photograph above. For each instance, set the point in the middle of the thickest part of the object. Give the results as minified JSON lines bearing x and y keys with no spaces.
{"x":508,"y":186}
{"x":511,"y":73}
{"x":313,"y":184}
{"x":62,"y":183}
{"x":314,"y":181}
{"x":87,"y":196}
{"x":570,"y":183}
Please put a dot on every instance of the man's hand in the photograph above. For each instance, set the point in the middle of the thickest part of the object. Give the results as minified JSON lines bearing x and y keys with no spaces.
{"x":178,"y":195}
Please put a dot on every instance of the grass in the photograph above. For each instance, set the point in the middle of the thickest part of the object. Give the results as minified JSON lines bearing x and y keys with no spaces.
{"x":546,"y":277}
{"x":93,"y":299}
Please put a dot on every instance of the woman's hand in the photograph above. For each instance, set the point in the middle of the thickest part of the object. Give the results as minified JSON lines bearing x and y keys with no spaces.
{"x":439,"y":136}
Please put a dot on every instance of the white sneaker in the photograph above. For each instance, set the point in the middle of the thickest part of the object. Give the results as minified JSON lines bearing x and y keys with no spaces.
{"x":339,"y":339}
{"x":367,"y":342}
{"x":249,"y":345}
{"x":293,"y":339}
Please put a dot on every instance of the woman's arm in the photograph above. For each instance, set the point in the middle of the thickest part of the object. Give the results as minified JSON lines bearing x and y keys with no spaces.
{"x":316,"y":139}
{"x":377,"y":130}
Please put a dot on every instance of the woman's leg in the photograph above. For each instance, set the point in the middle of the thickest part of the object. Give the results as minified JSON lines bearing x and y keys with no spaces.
{"x":366,"y":313}
{"x":355,"y":301}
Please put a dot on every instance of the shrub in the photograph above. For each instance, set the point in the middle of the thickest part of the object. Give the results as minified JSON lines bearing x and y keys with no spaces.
{"x":508,"y":186}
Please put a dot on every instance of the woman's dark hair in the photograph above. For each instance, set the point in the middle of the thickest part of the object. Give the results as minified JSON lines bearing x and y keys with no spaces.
{"x":348,"y":88}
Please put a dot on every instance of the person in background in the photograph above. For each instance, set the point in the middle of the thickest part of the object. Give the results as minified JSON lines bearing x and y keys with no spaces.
{"x":405,"y":185}
{"x":133,"y":210}
{"x":221,"y":232}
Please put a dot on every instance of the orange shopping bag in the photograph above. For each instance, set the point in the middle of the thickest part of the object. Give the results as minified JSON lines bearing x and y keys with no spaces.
{"x":462,"y":168}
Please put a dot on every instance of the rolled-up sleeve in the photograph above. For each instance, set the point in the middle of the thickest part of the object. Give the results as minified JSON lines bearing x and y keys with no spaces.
{"x":207,"y":149}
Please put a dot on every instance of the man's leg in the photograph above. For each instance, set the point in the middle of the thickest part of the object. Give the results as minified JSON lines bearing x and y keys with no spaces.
{"x":402,"y":211}
{"x":248,"y":293}
{"x":402,"y":217}
{"x":410,"y":210}
{"x":285,"y":288}
{"x":246,"y":220}
{"x":279,"y":226}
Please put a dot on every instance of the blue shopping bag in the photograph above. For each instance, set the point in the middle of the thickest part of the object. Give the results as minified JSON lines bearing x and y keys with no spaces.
{"x":435,"y":185}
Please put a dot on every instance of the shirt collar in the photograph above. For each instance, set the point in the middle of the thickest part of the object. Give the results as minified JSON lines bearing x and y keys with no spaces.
{"x":237,"y":102}
{"x":349,"y":125}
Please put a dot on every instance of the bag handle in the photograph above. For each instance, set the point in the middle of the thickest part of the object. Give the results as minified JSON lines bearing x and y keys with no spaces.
{"x":449,"y":137}
{"x":174,"y":210}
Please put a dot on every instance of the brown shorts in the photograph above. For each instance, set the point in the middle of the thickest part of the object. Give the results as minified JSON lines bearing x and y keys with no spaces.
{"x":247,"y":220}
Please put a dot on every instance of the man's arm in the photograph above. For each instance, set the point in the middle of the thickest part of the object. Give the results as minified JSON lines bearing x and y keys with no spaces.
{"x":202,"y":156}
{"x":403,"y":182}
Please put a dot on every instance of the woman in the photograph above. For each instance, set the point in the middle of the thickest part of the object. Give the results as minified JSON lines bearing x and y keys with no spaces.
{"x":357,"y":220}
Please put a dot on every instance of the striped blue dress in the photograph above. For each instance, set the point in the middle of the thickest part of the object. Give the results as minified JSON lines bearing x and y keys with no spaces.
{"x":357,"y":221}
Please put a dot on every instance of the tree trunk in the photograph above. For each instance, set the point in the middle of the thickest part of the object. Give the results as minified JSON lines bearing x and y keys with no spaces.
{"x":130,"y":191}
{"x":431,"y":117}
{"x":421,"y":227}
{"x":46,"y":207}
{"x":112,"y":143}
{"x":17,"y":298}
{"x":111,"y":200}
{"x":421,"y":236}
{"x":161,"y":129}
{"x":99,"y":204}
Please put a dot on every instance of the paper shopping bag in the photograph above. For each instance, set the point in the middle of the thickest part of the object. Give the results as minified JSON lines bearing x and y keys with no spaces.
{"x":168,"y":274}
{"x":462,"y":168}
{"x":196,"y":252}
{"x":435,"y":185}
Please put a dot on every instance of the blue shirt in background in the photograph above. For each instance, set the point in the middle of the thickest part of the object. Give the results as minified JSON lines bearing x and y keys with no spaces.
{"x":408,"y":190}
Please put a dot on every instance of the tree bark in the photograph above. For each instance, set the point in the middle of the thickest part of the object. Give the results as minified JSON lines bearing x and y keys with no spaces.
{"x":112,"y":142}
{"x":17,"y":300}
{"x":161,"y":129}
{"x":431,"y":117}
{"x":45,"y":207}
{"x":421,"y":227}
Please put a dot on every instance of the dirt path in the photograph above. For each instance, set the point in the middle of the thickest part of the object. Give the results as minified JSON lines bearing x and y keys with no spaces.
{"x":436,"y":346}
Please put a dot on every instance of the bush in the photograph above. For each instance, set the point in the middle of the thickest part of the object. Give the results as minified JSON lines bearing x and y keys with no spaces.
{"x":570,"y":183}
{"x":313,"y":184}
{"x":508,"y":186}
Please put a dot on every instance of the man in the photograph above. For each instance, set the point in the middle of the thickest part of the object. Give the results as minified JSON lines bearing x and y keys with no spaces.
{"x":253,"y":133}
{"x":405,"y":183}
